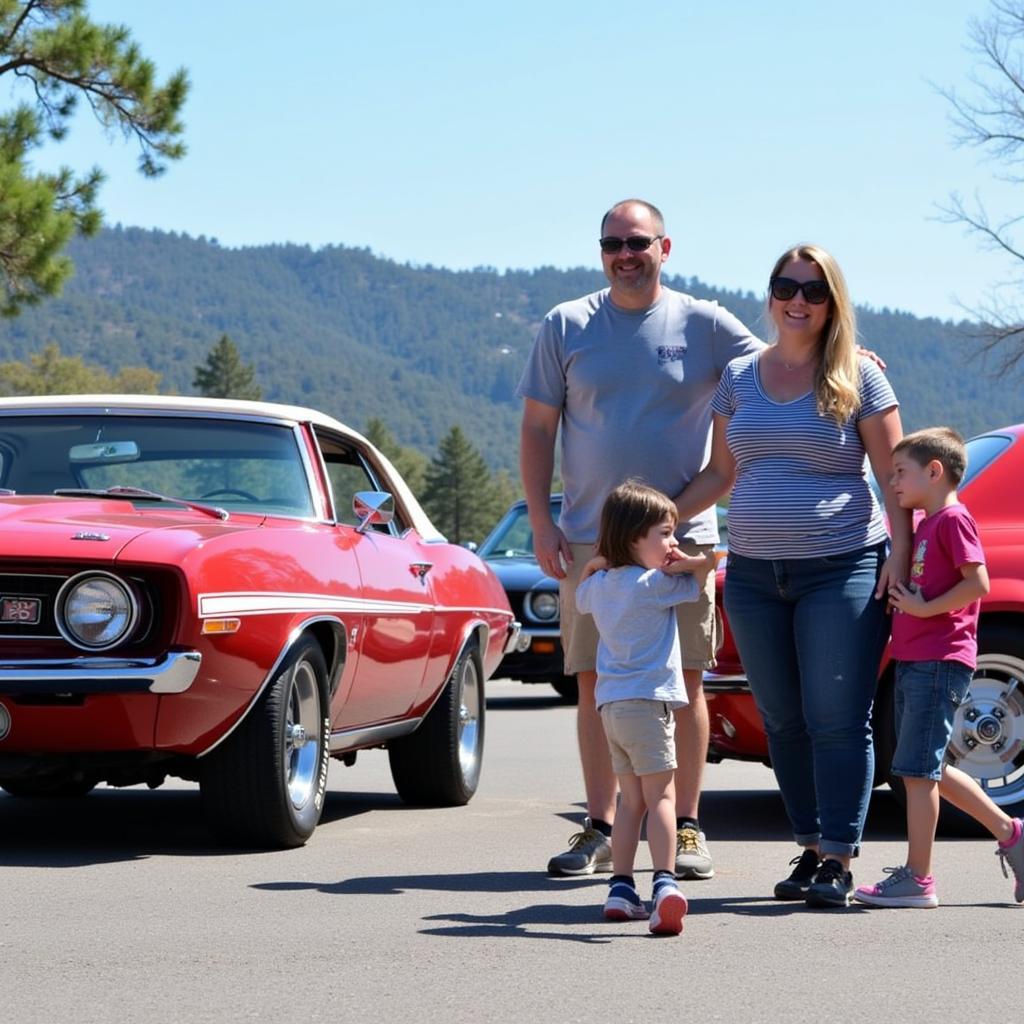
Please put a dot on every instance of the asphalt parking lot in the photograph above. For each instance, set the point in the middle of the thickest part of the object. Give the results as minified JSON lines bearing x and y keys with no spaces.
{"x":120,"y":907}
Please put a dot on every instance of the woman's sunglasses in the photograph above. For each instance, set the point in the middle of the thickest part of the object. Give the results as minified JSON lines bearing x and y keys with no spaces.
{"x":635,"y":243}
{"x":784,"y":288}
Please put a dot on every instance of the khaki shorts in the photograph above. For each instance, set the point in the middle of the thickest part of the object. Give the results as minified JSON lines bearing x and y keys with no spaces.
{"x":699,"y":631}
{"x":641,"y":736}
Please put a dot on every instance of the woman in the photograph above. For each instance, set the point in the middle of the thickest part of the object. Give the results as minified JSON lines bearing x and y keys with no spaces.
{"x":808,"y":569}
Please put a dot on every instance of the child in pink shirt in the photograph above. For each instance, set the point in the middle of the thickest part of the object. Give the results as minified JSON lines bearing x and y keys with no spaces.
{"x":934,"y":643}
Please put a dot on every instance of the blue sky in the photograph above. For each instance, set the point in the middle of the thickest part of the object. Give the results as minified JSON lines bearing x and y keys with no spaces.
{"x":493,"y":134}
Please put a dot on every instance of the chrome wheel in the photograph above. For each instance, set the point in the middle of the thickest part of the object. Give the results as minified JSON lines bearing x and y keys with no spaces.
{"x":988,"y":730}
{"x":265,"y":785}
{"x":470,"y":734}
{"x":440,"y":762}
{"x":302,"y":731}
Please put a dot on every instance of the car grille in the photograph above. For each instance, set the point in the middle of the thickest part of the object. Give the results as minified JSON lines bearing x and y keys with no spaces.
{"x":26,"y":606}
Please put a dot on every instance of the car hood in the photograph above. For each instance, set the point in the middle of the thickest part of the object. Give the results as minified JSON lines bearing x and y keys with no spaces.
{"x":521,"y":574}
{"x":101,"y":529}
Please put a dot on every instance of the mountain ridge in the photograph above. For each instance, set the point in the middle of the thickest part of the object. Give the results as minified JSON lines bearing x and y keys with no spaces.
{"x":420,"y":347}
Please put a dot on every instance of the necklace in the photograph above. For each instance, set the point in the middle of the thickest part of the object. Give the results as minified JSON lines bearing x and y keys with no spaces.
{"x":790,"y":367}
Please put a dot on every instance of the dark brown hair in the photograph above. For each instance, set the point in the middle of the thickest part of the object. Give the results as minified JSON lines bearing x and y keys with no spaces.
{"x":628,"y":513}
{"x":943,"y":444}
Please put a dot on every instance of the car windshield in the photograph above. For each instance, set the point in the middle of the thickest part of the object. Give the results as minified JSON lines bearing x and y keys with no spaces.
{"x":512,"y":537}
{"x":240,"y":465}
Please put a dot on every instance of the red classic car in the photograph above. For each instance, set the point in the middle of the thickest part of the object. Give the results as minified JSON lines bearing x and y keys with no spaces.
{"x":232,"y":593}
{"x":988,"y":733}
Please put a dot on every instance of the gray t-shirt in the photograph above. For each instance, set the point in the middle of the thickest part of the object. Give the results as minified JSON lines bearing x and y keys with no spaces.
{"x":638,"y":656}
{"x":635,"y":392}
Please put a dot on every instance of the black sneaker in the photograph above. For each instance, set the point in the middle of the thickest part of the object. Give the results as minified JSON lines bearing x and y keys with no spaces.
{"x":795,"y":887}
{"x":832,"y":886}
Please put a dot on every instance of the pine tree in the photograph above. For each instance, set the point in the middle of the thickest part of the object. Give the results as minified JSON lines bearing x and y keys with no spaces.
{"x":460,"y":496}
{"x":224,"y":375}
{"x":60,"y":56}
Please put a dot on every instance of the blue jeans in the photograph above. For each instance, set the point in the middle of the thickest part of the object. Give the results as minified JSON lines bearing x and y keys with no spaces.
{"x":810,"y":634}
{"x":927,"y":696}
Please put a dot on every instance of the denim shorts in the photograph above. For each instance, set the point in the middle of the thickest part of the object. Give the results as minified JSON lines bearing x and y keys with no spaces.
{"x":927,"y":696}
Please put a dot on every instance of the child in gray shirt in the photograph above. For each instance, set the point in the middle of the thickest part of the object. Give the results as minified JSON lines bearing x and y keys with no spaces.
{"x":631,"y":588}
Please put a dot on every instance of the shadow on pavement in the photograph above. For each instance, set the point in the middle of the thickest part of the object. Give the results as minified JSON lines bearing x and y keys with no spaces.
{"x":109,"y":826}
{"x":104,"y":827}
{"x":479,"y":881}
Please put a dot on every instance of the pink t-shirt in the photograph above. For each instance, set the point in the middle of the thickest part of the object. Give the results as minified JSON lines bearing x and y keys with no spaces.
{"x":942,"y":543}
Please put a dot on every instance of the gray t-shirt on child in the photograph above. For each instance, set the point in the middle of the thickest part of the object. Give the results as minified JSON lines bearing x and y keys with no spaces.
{"x":635,"y":392}
{"x":638,"y":655}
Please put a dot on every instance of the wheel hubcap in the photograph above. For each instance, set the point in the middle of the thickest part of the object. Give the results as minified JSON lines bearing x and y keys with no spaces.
{"x":301,"y":732}
{"x":988,"y":729}
{"x":470,"y":699}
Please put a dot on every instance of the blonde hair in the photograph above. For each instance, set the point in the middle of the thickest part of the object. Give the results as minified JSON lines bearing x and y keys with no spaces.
{"x":628,"y":513}
{"x":837,"y":380}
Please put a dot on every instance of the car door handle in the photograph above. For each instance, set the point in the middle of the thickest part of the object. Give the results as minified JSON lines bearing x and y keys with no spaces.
{"x":420,"y":569}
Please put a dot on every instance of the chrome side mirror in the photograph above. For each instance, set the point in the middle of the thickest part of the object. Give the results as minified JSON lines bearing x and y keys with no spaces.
{"x":373,"y":508}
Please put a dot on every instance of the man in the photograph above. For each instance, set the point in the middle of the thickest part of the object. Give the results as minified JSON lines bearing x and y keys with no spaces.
{"x":628,"y":373}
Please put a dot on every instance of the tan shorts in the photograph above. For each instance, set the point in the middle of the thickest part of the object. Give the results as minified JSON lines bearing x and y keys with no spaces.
{"x":698,"y":630}
{"x":641,"y":736}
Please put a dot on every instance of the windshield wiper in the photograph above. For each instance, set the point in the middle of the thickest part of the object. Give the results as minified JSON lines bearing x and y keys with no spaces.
{"x":138,"y":492}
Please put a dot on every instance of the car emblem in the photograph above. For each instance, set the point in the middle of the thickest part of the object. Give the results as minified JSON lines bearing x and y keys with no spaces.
{"x":90,"y":536}
{"x":20,"y":610}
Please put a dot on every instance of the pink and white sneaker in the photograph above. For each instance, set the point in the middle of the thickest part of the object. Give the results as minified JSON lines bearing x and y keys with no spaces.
{"x":1012,"y":854}
{"x":901,"y":889}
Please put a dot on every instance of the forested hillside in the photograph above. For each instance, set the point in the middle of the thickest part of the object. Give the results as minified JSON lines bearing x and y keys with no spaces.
{"x":422,"y":348}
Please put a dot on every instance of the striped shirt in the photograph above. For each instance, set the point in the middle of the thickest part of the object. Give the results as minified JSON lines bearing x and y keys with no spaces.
{"x":801,"y":481}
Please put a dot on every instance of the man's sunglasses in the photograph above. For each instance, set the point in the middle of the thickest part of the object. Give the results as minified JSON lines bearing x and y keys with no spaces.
{"x":784,"y":288}
{"x":635,"y":243}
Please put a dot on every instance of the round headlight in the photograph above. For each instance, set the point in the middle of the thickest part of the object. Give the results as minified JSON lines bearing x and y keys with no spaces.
{"x":543,"y":605}
{"x":95,"y":611}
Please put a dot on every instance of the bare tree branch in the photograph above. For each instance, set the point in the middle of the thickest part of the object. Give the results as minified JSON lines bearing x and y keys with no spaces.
{"x":991,"y":117}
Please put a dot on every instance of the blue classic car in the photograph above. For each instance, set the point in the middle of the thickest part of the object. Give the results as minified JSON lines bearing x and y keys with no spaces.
{"x":508,"y":550}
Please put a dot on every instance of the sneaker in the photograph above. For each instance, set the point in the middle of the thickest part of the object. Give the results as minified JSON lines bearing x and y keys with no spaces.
{"x":669,"y":908}
{"x":1014,"y":856}
{"x":693,"y":861}
{"x":589,"y":851}
{"x":795,"y":887}
{"x":832,"y":886}
{"x":901,"y":889}
{"x":624,"y":904}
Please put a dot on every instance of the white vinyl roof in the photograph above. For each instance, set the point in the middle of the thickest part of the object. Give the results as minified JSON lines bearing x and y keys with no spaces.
{"x":233,"y":407}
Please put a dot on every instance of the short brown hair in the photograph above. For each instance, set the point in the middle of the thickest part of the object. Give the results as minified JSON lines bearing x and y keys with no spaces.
{"x":942,"y":444}
{"x":628,"y":513}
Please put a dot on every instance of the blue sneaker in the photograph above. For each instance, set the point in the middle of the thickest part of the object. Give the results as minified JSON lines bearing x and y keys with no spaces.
{"x":669,"y":909}
{"x":624,"y":904}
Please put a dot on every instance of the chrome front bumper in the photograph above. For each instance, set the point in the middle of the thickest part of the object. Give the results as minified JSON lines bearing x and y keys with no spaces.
{"x":171,"y":673}
{"x":513,"y":637}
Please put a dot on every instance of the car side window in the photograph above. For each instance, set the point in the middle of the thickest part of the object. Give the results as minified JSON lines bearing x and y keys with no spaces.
{"x":347,"y":474}
{"x":347,"y":479}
